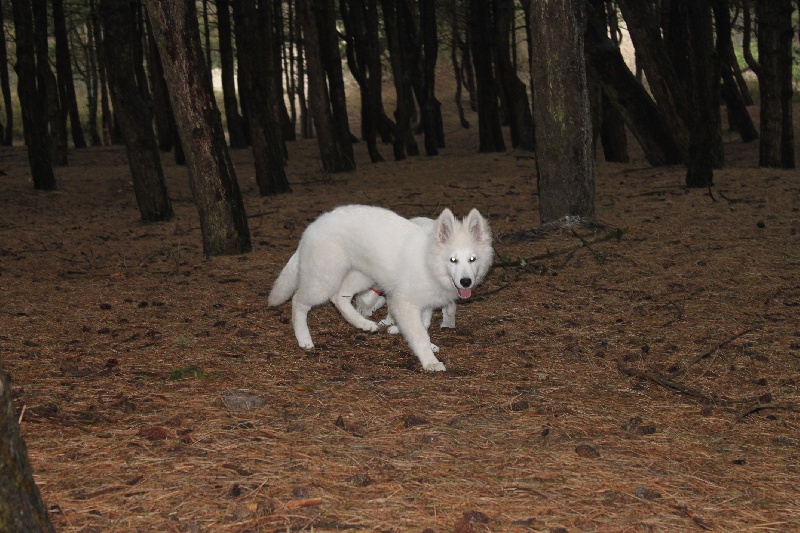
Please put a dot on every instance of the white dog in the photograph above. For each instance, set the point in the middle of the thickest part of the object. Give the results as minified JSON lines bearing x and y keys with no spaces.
{"x":370,"y":301}
{"x":360,"y":247}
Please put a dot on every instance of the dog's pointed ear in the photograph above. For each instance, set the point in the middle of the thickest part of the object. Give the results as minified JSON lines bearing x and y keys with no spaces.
{"x":445,"y":226}
{"x":478,"y":227}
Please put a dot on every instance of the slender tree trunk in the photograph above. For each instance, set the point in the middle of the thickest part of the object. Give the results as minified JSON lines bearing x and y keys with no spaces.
{"x":565,"y":159}
{"x":434,"y":128}
{"x":661,"y":75}
{"x":56,"y":113}
{"x":92,"y":82}
{"x":385,"y":125}
{"x":353,"y":17}
{"x":260,"y":106}
{"x":223,"y":221}
{"x":489,"y":132}
{"x":629,"y":98}
{"x":166,"y":129}
{"x":33,"y":99}
{"x":516,"y":95}
{"x":5,"y":85}
{"x":277,"y":37}
{"x":21,"y":505}
{"x":747,"y":31}
{"x":456,"y":45}
{"x":336,"y":151}
{"x":134,"y":114}
{"x":66,"y":84}
{"x":236,"y":135}
{"x":306,"y":125}
{"x":740,"y":120}
{"x":105,"y":109}
{"x":612,"y":130}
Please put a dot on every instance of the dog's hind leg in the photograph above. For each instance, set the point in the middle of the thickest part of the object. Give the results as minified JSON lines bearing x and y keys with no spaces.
{"x":300,"y":323}
{"x":409,"y":322}
{"x":355,"y":282}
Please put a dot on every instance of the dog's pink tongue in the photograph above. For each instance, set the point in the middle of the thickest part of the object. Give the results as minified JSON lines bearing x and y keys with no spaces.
{"x":465,"y":293}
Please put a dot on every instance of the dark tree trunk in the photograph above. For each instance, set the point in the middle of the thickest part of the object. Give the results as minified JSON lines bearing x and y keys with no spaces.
{"x":775,"y":83}
{"x":456,"y":47}
{"x":747,"y":31}
{"x":385,"y":125}
{"x":289,"y":65}
{"x":276,"y":26}
{"x":134,"y":114}
{"x":739,"y":118}
{"x":21,"y":505}
{"x":223,"y":221}
{"x":434,"y":128}
{"x":354,"y":18}
{"x":260,"y":105}
{"x":669,"y":93}
{"x":166,"y":129}
{"x":705,"y":143}
{"x":56,"y":113}
{"x":403,"y":139}
{"x":306,"y":125}
{"x":336,"y":150}
{"x":66,"y":85}
{"x":516,"y":95}
{"x":91,"y":78}
{"x":33,"y":99}
{"x":490,"y":134}
{"x":5,"y":85}
{"x":629,"y":98}
{"x":236,"y":134}
{"x":105,"y":109}
{"x":565,"y":159}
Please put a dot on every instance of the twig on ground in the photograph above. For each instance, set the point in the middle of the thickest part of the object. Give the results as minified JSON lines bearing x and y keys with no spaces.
{"x":709,"y":352}
{"x":663,"y":381}
{"x":764,"y":406}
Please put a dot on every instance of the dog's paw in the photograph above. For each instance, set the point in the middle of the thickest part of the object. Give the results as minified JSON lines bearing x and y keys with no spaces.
{"x":434,"y":348}
{"x":306,"y":345}
{"x":448,"y":324}
{"x":438,"y":366}
{"x":371,"y":327}
{"x":394,"y":330}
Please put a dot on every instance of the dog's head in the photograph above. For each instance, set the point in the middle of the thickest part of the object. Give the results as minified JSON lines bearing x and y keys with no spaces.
{"x":466,"y":248}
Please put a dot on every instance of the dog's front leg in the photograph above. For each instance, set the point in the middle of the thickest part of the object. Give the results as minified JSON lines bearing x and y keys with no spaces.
{"x":408,"y":318}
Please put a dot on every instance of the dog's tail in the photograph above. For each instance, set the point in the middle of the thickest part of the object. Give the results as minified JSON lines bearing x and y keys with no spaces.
{"x":287,"y":282}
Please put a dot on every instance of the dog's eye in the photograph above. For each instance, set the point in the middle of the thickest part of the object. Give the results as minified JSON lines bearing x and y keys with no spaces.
{"x":453,"y":260}
{"x":472,"y":259}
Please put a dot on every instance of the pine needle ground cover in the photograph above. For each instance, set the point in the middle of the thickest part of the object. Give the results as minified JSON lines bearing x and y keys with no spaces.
{"x":642,"y":373}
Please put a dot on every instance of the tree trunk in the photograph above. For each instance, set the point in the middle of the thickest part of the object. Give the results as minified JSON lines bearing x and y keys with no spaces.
{"x":306,"y":125}
{"x":456,"y":46}
{"x":516,"y":95}
{"x":236,"y":134}
{"x":336,"y":151}
{"x":21,"y":505}
{"x":629,"y":98}
{"x":433,"y":127}
{"x":5,"y":85}
{"x":739,"y":118}
{"x":260,"y":106}
{"x":223,"y":221}
{"x":490,"y":134}
{"x":92,"y":82}
{"x":356,"y":50}
{"x":66,"y":85}
{"x":661,"y":75}
{"x":134,"y":114}
{"x":775,"y":83}
{"x":166,"y":129}
{"x":747,"y":30}
{"x":105,"y":109}
{"x":33,"y":99}
{"x":565,"y":159}
{"x":276,"y":32}
{"x":56,"y":113}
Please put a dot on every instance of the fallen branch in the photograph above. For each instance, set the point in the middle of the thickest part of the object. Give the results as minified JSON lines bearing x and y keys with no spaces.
{"x":664,"y":382}
{"x":764,"y":406}
{"x":709,"y":352}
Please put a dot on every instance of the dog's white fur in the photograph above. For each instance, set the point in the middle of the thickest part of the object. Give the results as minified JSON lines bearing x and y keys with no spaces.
{"x":370,"y":301}
{"x":363,"y":246}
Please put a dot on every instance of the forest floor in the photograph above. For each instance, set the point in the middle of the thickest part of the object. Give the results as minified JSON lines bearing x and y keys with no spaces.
{"x":640,"y":375}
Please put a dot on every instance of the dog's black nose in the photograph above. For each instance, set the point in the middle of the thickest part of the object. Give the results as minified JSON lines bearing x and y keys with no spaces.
{"x":465,"y":282}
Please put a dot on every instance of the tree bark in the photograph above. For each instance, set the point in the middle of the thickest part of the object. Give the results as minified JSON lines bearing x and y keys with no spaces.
{"x":739,"y":117}
{"x":490,"y":135}
{"x":105,"y":109}
{"x":166,"y":129}
{"x":260,"y":101}
{"x":630,"y":99}
{"x":335,"y":148}
{"x":134,"y":114}
{"x":357,"y":53}
{"x":661,"y":75}
{"x":432,"y":115}
{"x":56,"y":113}
{"x":775,"y":34}
{"x":516,"y":95}
{"x":236,"y":135}
{"x":565,"y":155}
{"x":33,"y":99}
{"x":456,"y":47}
{"x":223,"y":221}
{"x":66,"y":84}
{"x":21,"y":505}
{"x":5,"y":85}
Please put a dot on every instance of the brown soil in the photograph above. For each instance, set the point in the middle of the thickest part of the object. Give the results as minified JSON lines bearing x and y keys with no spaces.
{"x":649,"y":382}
